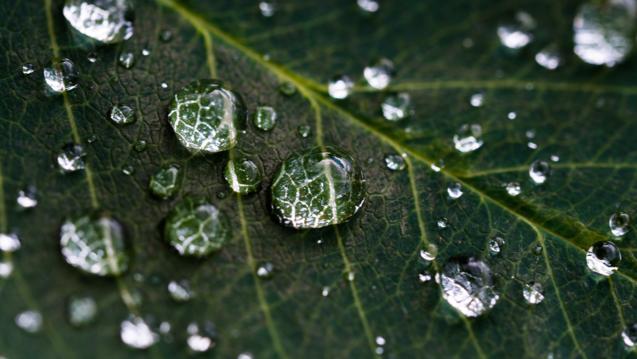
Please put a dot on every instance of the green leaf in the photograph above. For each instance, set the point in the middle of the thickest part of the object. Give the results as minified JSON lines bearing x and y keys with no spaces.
{"x":583,"y":114}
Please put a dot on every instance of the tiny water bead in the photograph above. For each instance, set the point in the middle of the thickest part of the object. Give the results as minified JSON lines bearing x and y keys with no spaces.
{"x":91,"y":57}
{"x":619,"y":223}
{"x":369,"y":6}
{"x":533,"y":293}
{"x":265,"y":270}
{"x":513,"y":189}
{"x":206,"y":116}
{"x":61,"y":76}
{"x":71,"y":159}
{"x":395,"y":162}
{"x":454,"y":190}
{"x":105,"y":21}
{"x":339,"y":87}
{"x":128,"y":170}
{"x":145,"y":52}
{"x":180,"y":291}
{"x":137,"y":334}
{"x":512,"y":115}
{"x":287,"y":88}
{"x":267,"y":8}
{"x":379,"y":74}
{"x":629,"y":336}
{"x":126,"y":59}
{"x":201,"y":338}
{"x":30,"y":321}
{"x":467,"y":285}
{"x":81,"y":311}
{"x":95,"y":244}
{"x":442,"y":223}
{"x":9,"y":242}
{"x":429,"y":254}
{"x":477,"y":99}
{"x":396,"y":107}
{"x":468,"y":138}
{"x":28,"y":69}
{"x":165,"y":35}
{"x":518,"y":34}
{"x":264,"y":118}
{"x":495,"y":245}
{"x":304,"y":131}
{"x":603,"y":31}
{"x":6,"y":268}
{"x":122,"y":114}
{"x":539,"y":171}
{"x":27,"y":198}
{"x":196,"y":228}
{"x":243,"y":175}
{"x":549,"y":58}
{"x":317,"y":188}
{"x":603,"y":258}
{"x":140,"y":145}
{"x":166,"y":181}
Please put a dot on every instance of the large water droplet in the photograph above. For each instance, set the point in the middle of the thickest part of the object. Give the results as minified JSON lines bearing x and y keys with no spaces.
{"x":549,"y":58}
{"x":619,"y":223}
{"x":468,"y":138}
{"x":395,"y":162}
{"x":206,"y":116}
{"x":30,"y":321}
{"x":201,"y":338}
{"x":27,"y":198}
{"x":82,"y":311}
{"x":517,"y":35}
{"x":180,"y":291}
{"x":317,"y":188}
{"x":61,"y":76}
{"x":539,"y":171}
{"x":166,"y":182}
{"x":243,"y":175}
{"x":340,"y":87}
{"x":533,"y":293}
{"x":629,"y":336}
{"x":396,"y":107}
{"x":126,"y":59}
{"x":196,"y":228}
{"x":603,"y":258}
{"x":71,"y":158}
{"x":265,"y":118}
{"x":122,"y":114}
{"x":137,"y":334}
{"x":9,"y":242}
{"x":95,"y":244}
{"x":467,"y":285}
{"x":603,"y":31}
{"x":379,"y":74}
{"x":454,"y":190}
{"x":106,"y":21}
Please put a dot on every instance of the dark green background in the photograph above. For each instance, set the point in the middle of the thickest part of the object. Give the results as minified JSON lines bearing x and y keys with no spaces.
{"x":584,"y":114}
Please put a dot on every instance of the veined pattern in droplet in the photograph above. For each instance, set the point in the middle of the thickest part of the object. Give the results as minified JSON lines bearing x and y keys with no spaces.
{"x":71,"y":158}
{"x":122,"y":114}
{"x":619,"y":224}
{"x":395,"y":162}
{"x":61,"y":76}
{"x":379,"y":74}
{"x":467,"y":285}
{"x":166,"y":181}
{"x":81,"y":311}
{"x":242,"y":175}
{"x":396,"y":107}
{"x":30,"y":321}
{"x":454,"y":190}
{"x":137,"y":334}
{"x":468,"y":138}
{"x":264,"y":118}
{"x":603,"y":258}
{"x":339,"y":87}
{"x":539,"y":171}
{"x":105,"y":21}
{"x":533,"y":293}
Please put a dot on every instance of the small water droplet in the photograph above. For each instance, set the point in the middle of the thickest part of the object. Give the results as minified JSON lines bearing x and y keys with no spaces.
{"x":395,"y":162}
{"x":71,"y":158}
{"x":442,"y":223}
{"x":265,"y":270}
{"x":468,"y":138}
{"x":619,"y":223}
{"x":267,"y":8}
{"x":339,"y":87}
{"x":533,"y":293}
{"x":477,"y":99}
{"x":424,"y":277}
{"x":379,"y":74}
{"x":245,"y":355}
{"x":629,"y":336}
{"x":30,"y":321}
{"x":495,"y":245}
{"x":304,"y":131}
{"x":91,"y":57}
{"x":180,"y":291}
{"x":429,"y":254}
{"x":6,"y":268}
{"x":128,"y":170}
{"x":126,"y":59}
{"x":539,"y":171}
{"x":396,"y":107}
{"x":603,"y":257}
{"x":166,"y":182}
{"x":81,"y":311}
{"x":166,"y":35}
{"x":140,"y":145}
{"x":325,"y":291}
{"x":265,"y":118}
{"x":369,"y":6}
{"x":438,"y":166}
{"x":105,"y":21}
{"x":555,"y":158}
{"x":27,"y":198}
{"x":242,"y":175}
{"x":287,"y":88}
{"x":9,"y":242}
{"x":137,"y":334}
{"x":512,"y":115}
{"x":61,"y":76}
{"x":350,"y":276}
{"x":164,"y":85}
{"x":201,"y":338}
{"x":549,"y":58}
{"x":454,"y":190}
{"x":28,"y":69}
{"x":513,"y":189}
{"x":467,"y":285}
{"x":122,"y":114}
{"x":145,"y":52}
{"x":517,"y":35}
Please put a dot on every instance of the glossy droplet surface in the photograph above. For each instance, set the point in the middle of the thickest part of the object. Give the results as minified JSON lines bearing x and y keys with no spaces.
{"x":264,"y":118}
{"x":395,"y":162}
{"x":126,"y":59}
{"x":9,"y":242}
{"x":71,"y":158}
{"x":122,"y":114}
{"x":396,"y":107}
{"x":304,"y":131}
{"x":27,"y":198}
{"x":166,"y":181}
{"x":603,"y":31}
{"x":467,"y":285}
{"x":30,"y":321}
{"x":340,"y":87}
{"x":495,"y":245}
{"x":267,"y":8}
{"x":477,"y":100}
{"x":619,"y":224}
{"x":379,"y":74}
{"x":265,"y":270}
{"x":28,"y":69}
{"x":206,"y":116}
{"x":429,"y":254}
{"x":513,"y":189}
{"x":81,"y":311}
{"x":287,"y":88}
{"x":242,"y":175}
{"x":549,"y":58}
{"x":603,"y":258}
{"x":369,"y":6}
{"x":454,"y":190}
{"x":533,"y":293}
{"x":180,"y":291}
{"x":136,"y":333}
{"x":629,"y":336}
{"x":539,"y":171}
{"x":105,"y":21}
{"x":317,"y":188}
{"x":61,"y":76}
{"x":6,"y":268}
{"x":517,"y":35}
{"x":201,"y":337}
{"x":196,"y":228}
{"x":468,"y":138}
{"x":94,"y":244}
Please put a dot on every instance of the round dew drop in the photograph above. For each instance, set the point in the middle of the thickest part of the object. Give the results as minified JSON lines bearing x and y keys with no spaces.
{"x":379,"y":74}
{"x":201,"y":338}
{"x":137,"y":334}
{"x":81,"y":311}
{"x":104,"y":21}
{"x":603,"y":258}
{"x":513,"y":189}
{"x":340,"y":87}
{"x":396,"y":107}
{"x":518,"y":34}
{"x":30,"y":321}
{"x":71,"y":159}
{"x":166,"y":181}
{"x":454,"y":190}
{"x":619,"y":224}
{"x":180,"y":291}
{"x":468,"y":138}
{"x":126,"y":60}
{"x":61,"y":76}
{"x":395,"y":162}
{"x":539,"y":171}
{"x":629,"y":336}
{"x":243,"y":175}
{"x":265,"y":118}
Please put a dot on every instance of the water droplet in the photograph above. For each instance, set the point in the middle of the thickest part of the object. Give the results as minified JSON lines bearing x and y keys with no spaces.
{"x":395,"y":162}
{"x":267,"y":8}
{"x":145,"y":52}
{"x":166,"y":35}
{"x":350,"y":276}
{"x":512,"y":115}
{"x":424,"y":277}
{"x":30,"y":321}
{"x":206,"y":116}
{"x":316,"y":188}
{"x":128,"y":170}
{"x":442,"y":223}
{"x":126,"y":59}
{"x":180,"y":291}
{"x":477,"y":99}
{"x":379,"y":74}
{"x":196,"y":228}
{"x":6,"y":268}
{"x":468,"y":138}
{"x":533,"y":293}
{"x":325,"y":291}
{"x":82,"y":311}
{"x":304,"y":130}
{"x":549,"y":58}
{"x":287,"y":88}
{"x":164,"y":85}
{"x":517,"y":35}
{"x":166,"y":182}
{"x":495,"y":245}
{"x":136,"y":333}
{"x":201,"y":338}
{"x":513,"y":188}
{"x":91,"y":57}
{"x":555,"y":158}
{"x":429,"y":254}
{"x":71,"y":158}
{"x":265,"y":270}
{"x":27,"y":198}
{"x":28,"y":69}
{"x":438,"y":166}
{"x":619,"y":223}
{"x":539,"y":171}
{"x":122,"y":114}
{"x":467,"y":285}
{"x":106,"y":21}
{"x":369,"y":6}
{"x":532,"y":145}
{"x":454,"y":190}
{"x":140,"y":145}
{"x":264,"y":118}
{"x":243,"y":175}
{"x":95,"y":244}
{"x":245,"y":355}
{"x":629,"y":336}
{"x":396,"y":107}
{"x":339,"y":87}
{"x":603,"y":258}
{"x":61,"y":76}
{"x":9,"y":242}
{"x":603,"y":31}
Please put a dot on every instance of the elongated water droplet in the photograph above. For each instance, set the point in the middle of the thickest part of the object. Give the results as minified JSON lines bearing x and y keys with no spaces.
{"x":495,"y":245}
{"x":317,"y":188}
{"x":629,"y":336}
{"x":264,"y":118}
{"x":61,"y":76}
{"x":245,"y":355}
{"x":339,"y":87}
{"x":265,"y":270}
{"x":126,"y":59}
{"x":105,"y":21}
{"x":95,"y":244}
{"x":180,"y":291}
{"x":201,"y":338}
{"x":603,"y":31}
{"x":517,"y":35}
{"x":619,"y":223}
{"x":206,"y":116}
{"x":243,"y":175}
{"x":137,"y":334}
{"x":28,"y":69}
{"x":395,"y":162}
{"x":477,"y":99}
{"x":81,"y":311}
{"x":304,"y":131}
{"x":9,"y":242}
{"x":6,"y":268}
{"x":166,"y":182}
{"x":533,"y":293}
{"x":467,"y":285}
{"x":603,"y":258}
{"x":30,"y":321}
{"x":539,"y":171}
{"x":454,"y":190}
{"x":379,"y":74}
{"x":71,"y":158}
{"x":396,"y":107}
{"x":513,"y":189}
{"x":468,"y":138}
{"x":27,"y":198}
{"x":369,"y":6}
{"x":429,"y":254}
{"x":196,"y":228}
{"x":122,"y":114}
{"x":549,"y":58}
